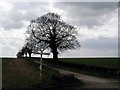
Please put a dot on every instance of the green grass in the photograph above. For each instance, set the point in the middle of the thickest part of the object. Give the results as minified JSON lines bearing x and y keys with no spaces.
{"x":102,"y":62}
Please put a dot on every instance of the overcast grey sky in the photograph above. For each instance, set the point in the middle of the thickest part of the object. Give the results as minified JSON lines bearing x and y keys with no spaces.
{"x":96,"y":23}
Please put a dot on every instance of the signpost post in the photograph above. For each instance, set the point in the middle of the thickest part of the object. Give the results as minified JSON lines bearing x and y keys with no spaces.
{"x":40,"y":67}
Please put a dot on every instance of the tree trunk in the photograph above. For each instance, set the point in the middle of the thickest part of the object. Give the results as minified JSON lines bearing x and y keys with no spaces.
{"x":55,"y":56}
{"x":30,"y":54}
{"x":25,"y":54}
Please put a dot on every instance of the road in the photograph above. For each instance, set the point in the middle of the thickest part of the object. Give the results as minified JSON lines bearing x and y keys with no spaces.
{"x":90,"y":81}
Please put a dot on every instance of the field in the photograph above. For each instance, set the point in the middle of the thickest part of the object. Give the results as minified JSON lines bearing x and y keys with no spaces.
{"x":102,"y":62}
{"x":18,"y":73}
{"x":100,"y":67}
{"x":25,"y":74}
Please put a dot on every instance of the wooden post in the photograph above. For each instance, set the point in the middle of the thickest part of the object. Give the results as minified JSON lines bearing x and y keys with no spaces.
{"x":41,"y":65}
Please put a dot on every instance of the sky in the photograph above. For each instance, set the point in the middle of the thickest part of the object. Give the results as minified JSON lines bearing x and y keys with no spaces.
{"x":96,"y":24}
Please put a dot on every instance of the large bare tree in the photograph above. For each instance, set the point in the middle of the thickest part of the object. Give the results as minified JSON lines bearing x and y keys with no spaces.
{"x":50,"y":29}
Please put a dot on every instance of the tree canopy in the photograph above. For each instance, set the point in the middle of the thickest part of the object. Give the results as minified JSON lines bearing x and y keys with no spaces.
{"x":54,"y":32}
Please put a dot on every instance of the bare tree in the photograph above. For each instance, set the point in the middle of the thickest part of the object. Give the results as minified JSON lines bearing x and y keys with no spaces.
{"x":19,"y":54}
{"x":50,"y":29}
{"x":32,"y":45}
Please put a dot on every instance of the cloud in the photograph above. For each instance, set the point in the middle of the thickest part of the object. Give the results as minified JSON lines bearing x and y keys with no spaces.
{"x":97,"y":25}
{"x":88,"y":14}
{"x":96,"y":22}
{"x":85,"y":52}
{"x":11,"y":41}
{"x":101,"y":43}
{"x":95,"y":47}
{"x":109,"y":29}
{"x":21,"y":11}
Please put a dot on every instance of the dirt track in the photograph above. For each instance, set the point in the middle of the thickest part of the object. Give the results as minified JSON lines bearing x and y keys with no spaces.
{"x":93,"y":82}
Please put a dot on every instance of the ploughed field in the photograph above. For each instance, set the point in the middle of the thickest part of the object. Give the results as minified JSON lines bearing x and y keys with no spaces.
{"x":17,"y":73}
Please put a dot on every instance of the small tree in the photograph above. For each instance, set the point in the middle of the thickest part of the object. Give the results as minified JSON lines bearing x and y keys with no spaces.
{"x":19,"y":54}
{"x":31,"y":45}
{"x":50,"y":29}
{"x":28,"y":49}
{"x":24,"y":51}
